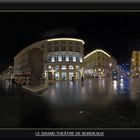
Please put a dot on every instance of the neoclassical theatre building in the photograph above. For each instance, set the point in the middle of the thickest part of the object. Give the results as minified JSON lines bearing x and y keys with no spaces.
{"x":63,"y":59}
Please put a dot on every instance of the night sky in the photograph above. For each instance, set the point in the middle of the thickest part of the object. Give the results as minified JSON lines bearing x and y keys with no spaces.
{"x":116,"y":33}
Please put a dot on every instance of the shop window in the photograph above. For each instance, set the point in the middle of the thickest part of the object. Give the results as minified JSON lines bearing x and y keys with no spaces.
{"x":60,"y":58}
{"x":49,"y":67}
{"x":81,"y":60}
{"x":63,"y":58}
{"x":49,"y":59}
{"x":71,"y":67}
{"x":64,"y":67}
{"x":71,"y":58}
{"x":57,"y":67}
{"x":77,"y":58}
{"x":53,"y":59}
{"x":77,"y":67}
{"x":67,"y":58}
{"x":74,"y":58}
{"x":56,"y":57}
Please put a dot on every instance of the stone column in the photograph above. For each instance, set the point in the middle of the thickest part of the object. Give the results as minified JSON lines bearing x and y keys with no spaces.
{"x":53,"y":71}
{"x":35,"y":59}
{"x":67,"y":71}
{"x":60,"y":72}
{"x":75,"y":72}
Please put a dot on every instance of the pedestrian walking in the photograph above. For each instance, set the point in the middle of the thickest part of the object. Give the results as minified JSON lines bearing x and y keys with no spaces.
{"x":9,"y":81}
{"x":82,"y":80}
{"x":73,"y":79}
{"x":13,"y":81}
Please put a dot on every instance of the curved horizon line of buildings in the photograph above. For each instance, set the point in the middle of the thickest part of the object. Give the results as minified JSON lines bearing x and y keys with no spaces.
{"x":63,"y":59}
{"x":135,"y":64}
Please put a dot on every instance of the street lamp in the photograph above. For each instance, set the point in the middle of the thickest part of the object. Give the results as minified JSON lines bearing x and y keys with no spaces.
{"x":132,"y":68}
{"x":53,"y":71}
{"x":110,"y":64}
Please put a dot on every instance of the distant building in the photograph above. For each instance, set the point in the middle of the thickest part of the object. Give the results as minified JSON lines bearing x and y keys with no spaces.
{"x":135,"y":64}
{"x":98,"y":63}
{"x":8,"y":73}
{"x":21,"y":63}
{"x":63,"y":58}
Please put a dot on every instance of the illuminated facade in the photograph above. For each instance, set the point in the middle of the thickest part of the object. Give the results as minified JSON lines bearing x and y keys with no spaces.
{"x":63,"y":58}
{"x":98,"y":63}
{"x":21,"y":63}
{"x":8,"y":73}
{"x":135,"y":64}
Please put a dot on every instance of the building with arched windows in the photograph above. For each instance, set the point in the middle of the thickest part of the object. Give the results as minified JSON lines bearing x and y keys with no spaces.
{"x":98,"y":63}
{"x":22,"y":70}
{"x":135,"y":64}
{"x":63,"y":58}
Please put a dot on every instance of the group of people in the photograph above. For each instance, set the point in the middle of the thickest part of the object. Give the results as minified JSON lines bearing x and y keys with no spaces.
{"x":82,"y":80}
{"x":16,"y":82}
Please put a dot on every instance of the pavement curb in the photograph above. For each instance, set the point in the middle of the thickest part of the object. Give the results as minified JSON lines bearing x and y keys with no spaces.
{"x":35,"y":90}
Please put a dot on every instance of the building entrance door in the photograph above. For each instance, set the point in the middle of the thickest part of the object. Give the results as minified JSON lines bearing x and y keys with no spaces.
{"x":49,"y":75}
{"x":77,"y":75}
{"x":56,"y":75}
{"x":71,"y":74}
{"x":64,"y":75}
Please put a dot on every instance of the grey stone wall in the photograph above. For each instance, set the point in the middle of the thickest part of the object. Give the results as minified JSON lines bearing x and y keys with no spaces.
{"x":35,"y":60}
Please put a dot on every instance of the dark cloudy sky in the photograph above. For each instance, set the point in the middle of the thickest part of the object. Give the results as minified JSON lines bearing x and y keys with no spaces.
{"x":116,"y":33}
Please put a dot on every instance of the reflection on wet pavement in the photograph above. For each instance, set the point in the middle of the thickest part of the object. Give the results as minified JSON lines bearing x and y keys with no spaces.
{"x":96,"y":103}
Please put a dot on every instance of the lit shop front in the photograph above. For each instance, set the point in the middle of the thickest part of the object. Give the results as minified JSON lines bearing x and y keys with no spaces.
{"x":64,"y":58}
{"x":63,"y":72}
{"x":96,"y":72}
{"x":98,"y":64}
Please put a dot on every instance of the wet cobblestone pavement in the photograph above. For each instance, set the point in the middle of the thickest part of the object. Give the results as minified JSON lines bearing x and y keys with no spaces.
{"x":98,"y":103}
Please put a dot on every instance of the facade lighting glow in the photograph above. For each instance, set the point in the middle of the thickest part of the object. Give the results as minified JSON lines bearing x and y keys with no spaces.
{"x":110,"y":64}
{"x":77,"y":67}
{"x":115,"y":85}
{"x":81,"y":60}
{"x":49,"y":67}
{"x":74,"y":59}
{"x":65,"y":39}
{"x":95,"y":52}
{"x":45,"y":74}
{"x":67,"y":58}
{"x":59,"y":58}
{"x":61,"y":51}
{"x":52,"y":59}
{"x":71,"y":67}
{"x":64,"y":67}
